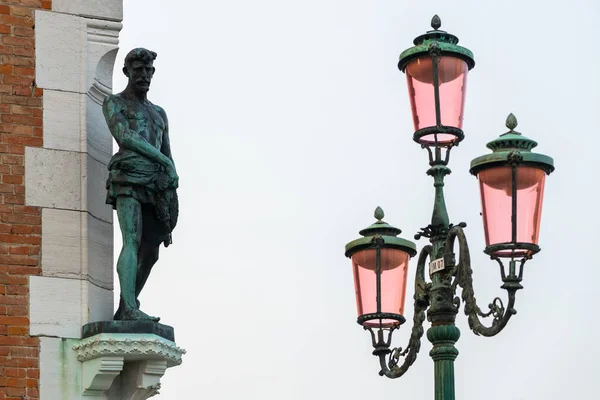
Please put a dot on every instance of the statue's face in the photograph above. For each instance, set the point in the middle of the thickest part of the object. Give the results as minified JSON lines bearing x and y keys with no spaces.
{"x":140,"y":75}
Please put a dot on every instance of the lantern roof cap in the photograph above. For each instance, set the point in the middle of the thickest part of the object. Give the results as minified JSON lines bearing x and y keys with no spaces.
{"x":511,"y":139}
{"x":380,"y":227}
{"x":385,"y":233}
{"x":512,"y":148}
{"x":436,"y":40}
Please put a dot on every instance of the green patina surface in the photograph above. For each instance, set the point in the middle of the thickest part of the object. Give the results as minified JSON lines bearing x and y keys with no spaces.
{"x":446,"y":49}
{"x":69,"y":369}
{"x":130,"y":327}
{"x":509,"y":144}
{"x":439,"y":41}
{"x":440,"y":213}
{"x":443,"y":338}
{"x":142,"y":180}
{"x":384,"y":232}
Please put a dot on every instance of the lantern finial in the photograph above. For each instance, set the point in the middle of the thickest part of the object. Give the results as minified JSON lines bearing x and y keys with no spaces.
{"x":379,"y":213}
{"x":511,"y":121}
{"x":436,"y":22}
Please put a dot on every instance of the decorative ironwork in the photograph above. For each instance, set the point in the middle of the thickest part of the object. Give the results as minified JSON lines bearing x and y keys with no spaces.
{"x":460,"y":274}
{"x":380,"y":316}
{"x":514,"y":158}
{"x":530,"y":247}
{"x":381,"y":345}
{"x":464,"y":278}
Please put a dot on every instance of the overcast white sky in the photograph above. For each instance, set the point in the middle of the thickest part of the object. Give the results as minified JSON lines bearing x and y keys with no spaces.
{"x":290,"y":123}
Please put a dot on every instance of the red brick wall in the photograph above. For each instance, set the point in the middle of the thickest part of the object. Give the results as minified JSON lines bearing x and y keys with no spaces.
{"x":20,"y":225}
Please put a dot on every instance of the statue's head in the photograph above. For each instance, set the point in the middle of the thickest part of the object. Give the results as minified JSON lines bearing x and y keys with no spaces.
{"x":139,"y":68}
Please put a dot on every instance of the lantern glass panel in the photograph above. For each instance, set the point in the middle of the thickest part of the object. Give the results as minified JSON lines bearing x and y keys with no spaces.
{"x":452,"y":77}
{"x":394,"y":268}
{"x":496,"y":199}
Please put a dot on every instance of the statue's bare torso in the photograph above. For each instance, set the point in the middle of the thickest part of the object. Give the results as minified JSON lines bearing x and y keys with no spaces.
{"x":144,"y":119}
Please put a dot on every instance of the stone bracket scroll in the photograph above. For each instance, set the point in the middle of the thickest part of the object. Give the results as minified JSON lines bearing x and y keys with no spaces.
{"x":129,"y":364}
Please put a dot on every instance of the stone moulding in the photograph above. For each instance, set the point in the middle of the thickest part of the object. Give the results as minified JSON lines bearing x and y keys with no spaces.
{"x":104,"y":32}
{"x":133,"y":347}
{"x":125,"y":366}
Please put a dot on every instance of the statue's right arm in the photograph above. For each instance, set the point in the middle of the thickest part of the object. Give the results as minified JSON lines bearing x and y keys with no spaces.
{"x":119,"y":128}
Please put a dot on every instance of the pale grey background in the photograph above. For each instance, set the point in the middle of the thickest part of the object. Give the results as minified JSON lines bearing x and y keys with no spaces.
{"x":290,"y":122}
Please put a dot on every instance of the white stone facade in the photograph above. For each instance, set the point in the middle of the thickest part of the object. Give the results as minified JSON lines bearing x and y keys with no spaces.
{"x":76,"y":46}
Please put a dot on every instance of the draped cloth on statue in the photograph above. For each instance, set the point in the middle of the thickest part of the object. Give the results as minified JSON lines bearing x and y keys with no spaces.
{"x":133,"y":175}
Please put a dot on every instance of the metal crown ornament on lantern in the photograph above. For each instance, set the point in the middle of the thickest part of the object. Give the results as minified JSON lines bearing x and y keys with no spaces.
{"x":511,"y":181}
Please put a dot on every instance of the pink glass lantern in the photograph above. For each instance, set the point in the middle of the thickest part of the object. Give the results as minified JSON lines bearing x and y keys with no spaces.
{"x":511,"y":182}
{"x":380,"y":265}
{"x":436,"y":72}
{"x":394,"y":269}
{"x":452,"y":73}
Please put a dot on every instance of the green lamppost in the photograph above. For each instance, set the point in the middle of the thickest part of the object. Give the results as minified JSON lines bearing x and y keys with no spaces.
{"x":511,"y":181}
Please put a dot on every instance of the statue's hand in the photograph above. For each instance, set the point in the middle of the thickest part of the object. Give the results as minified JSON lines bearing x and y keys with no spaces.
{"x":173,"y":177}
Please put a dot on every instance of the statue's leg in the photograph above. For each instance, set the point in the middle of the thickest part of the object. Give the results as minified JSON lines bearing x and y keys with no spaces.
{"x":119,"y":313}
{"x":129,"y":212}
{"x":148,"y":256}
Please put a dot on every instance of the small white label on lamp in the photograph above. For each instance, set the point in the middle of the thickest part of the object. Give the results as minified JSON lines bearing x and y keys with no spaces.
{"x":436,"y":266}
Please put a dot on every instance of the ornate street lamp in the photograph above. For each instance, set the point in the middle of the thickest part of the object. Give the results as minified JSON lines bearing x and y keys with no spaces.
{"x":511,"y":181}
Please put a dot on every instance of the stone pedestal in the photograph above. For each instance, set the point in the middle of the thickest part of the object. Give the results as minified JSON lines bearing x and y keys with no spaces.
{"x":125,"y":360}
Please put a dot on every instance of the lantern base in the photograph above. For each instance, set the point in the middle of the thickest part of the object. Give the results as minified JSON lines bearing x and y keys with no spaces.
{"x":512,"y":250}
{"x":447,"y":136}
{"x":378,"y":324}
{"x":380,"y":320}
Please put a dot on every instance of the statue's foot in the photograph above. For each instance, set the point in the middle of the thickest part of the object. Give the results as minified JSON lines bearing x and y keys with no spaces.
{"x":119,"y":314}
{"x":137,"y":315}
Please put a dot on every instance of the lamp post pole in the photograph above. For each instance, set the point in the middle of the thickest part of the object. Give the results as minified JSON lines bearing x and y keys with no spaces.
{"x":443,"y":333}
{"x":511,"y":181}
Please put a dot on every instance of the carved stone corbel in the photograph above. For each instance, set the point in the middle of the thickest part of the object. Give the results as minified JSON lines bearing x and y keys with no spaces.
{"x":125,"y":366}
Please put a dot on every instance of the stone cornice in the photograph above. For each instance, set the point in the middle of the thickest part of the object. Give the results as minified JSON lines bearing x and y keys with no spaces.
{"x":130,"y":346}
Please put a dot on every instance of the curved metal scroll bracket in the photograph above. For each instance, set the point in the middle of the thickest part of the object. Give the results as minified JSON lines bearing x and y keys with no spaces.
{"x":464,"y":278}
{"x":421,"y":302}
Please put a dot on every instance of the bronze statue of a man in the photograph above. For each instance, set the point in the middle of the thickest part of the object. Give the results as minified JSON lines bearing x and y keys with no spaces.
{"x":142,"y":180}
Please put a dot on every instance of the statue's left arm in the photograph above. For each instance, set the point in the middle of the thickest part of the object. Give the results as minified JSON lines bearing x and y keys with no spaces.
{"x":166,"y":143}
{"x":165,"y":148}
